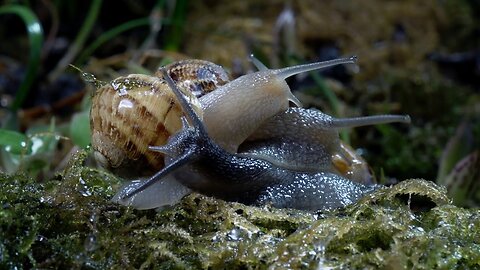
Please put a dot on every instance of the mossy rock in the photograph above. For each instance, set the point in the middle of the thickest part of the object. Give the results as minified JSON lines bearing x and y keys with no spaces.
{"x":69,"y":222}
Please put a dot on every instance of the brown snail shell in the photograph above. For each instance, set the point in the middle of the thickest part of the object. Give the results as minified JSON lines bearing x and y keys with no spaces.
{"x":136,"y":111}
{"x":198,"y":76}
{"x":351,"y":165}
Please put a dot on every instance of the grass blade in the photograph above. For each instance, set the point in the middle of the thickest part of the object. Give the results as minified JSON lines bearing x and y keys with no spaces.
{"x":79,"y":40}
{"x":175,"y":33}
{"x":35,"y":37}
{"x":110,"y":34}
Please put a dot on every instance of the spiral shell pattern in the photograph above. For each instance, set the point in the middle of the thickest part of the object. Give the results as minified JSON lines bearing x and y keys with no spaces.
{"x":136,"y":111}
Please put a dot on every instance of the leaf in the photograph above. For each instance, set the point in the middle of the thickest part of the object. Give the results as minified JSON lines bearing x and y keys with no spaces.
{"x":14,"y":142}
{"x":458,"y":147}
{"x":39,"y":146}
{"x":463,"y":182}
{"x":80,"y":129}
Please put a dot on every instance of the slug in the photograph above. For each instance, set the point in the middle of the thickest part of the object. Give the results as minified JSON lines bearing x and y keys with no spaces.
{"x":263,"y":173}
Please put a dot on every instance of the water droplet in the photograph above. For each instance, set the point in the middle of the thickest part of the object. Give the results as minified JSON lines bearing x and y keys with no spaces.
{"x":234,"y":235}
{"x":47,"y":199}
{"x":93,"y":218}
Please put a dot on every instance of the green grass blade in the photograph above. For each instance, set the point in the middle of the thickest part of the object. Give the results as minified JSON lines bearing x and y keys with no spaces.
{"x":332,"y":100}
{"x":458,"y":147}
{"x":175,"y":33}
{"x":35,"y":37}
{"x":110,"y":34}
{"x":79,"y":40}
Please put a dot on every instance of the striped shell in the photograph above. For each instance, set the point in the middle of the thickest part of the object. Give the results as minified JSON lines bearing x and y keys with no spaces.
{"x":136,"y":111}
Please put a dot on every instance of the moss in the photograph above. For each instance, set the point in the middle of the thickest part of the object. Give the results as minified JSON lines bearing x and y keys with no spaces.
{"x":69,"y":222}
{"x":383,"y":232}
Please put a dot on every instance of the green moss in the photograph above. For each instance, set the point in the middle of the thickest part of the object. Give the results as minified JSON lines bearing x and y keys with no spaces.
{"x":69,"y":222}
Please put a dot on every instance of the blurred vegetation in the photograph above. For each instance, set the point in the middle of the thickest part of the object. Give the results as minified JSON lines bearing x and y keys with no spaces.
{"x":415,"y":58}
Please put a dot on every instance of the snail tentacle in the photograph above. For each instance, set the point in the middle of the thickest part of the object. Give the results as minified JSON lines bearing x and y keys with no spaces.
{"x":257,"y":63}
{"x":188,"y":110}
{"x":369,"y":120}
{"x":294,"y":70}
{"x":177,"y":163}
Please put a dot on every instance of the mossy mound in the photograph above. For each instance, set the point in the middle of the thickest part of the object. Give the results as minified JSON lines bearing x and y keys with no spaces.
{"x":69,"y":222}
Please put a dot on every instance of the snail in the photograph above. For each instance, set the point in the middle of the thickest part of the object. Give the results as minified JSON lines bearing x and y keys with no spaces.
{"x":200,"y":163}
{"x":232,"y":116}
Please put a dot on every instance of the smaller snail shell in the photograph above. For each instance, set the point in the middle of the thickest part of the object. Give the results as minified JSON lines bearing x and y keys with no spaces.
{"x":132,"y":112}
{"x":348,"y":163}
{"x":198,"y":76}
